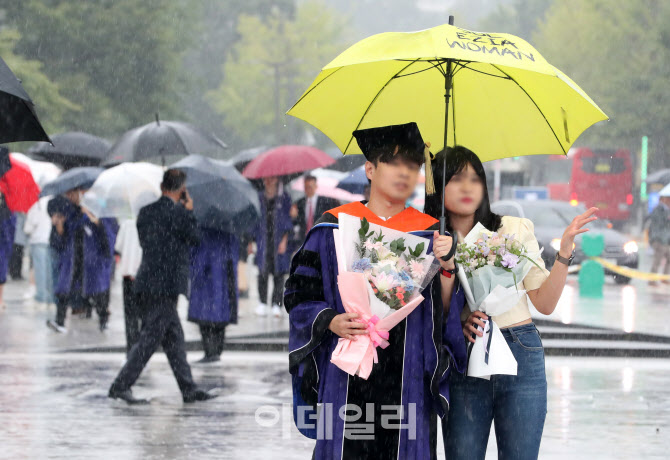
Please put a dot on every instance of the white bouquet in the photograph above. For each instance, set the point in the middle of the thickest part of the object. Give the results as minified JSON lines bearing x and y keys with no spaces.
{"x":491,"y":266}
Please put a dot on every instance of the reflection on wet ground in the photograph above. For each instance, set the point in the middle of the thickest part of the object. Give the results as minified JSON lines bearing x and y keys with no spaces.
{"x":55,"y":405}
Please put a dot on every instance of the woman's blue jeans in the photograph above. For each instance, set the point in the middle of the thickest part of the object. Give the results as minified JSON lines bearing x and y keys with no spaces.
{"x":517,"y":404}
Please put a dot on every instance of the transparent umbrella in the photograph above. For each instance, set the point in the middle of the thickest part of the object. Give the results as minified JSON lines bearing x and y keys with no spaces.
{"x":123,"y":190}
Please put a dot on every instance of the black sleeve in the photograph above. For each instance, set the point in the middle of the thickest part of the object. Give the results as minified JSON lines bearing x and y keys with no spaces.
{"x":187,"y":226}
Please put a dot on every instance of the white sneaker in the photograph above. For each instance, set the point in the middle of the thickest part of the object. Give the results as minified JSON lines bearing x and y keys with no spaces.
{"x":261,"y":309}
{"x":276,"y":310}
{"x":29,"y":294}
{"x":56,"y":327}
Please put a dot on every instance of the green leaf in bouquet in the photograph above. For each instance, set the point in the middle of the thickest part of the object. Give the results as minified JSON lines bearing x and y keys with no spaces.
{"x":532,"y":261}
{"x":398,"y":246}
{"x":365,"y":226}
{"x":418,"y":250}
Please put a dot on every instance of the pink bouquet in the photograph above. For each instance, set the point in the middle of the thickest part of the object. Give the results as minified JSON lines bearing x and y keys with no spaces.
{"x":382,"y":273}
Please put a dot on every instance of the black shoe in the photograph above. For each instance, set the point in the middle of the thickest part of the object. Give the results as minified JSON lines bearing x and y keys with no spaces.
{"x":127,"y":396}
{"x":198,"y":395}
{"x":209,"y":359}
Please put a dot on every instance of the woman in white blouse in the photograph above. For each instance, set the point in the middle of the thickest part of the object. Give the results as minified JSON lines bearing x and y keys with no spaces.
{"x":517,"y":403}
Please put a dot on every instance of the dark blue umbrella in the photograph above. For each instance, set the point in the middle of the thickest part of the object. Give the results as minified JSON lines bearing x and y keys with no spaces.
{"x":163,"y":142}
{"x":223,"y":199}
{"x":356,"y":182}
{"x":245,"y":156}
{"x":72,"y":149}
{"x":75,"y":178}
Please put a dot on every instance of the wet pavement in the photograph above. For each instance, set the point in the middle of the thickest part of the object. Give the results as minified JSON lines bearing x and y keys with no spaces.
{"x":53,"y":403}
{"x":55,"y":406}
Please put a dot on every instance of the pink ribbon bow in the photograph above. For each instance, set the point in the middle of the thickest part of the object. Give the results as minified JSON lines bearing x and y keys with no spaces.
{"x":378,"y":337}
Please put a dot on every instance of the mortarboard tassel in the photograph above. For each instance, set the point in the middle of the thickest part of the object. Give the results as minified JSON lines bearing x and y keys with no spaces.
{"x":430,"y":182}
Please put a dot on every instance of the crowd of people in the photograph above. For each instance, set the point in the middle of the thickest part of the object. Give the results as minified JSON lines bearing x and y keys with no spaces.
{"x":74,"y":257}
{"x":164,"y":253}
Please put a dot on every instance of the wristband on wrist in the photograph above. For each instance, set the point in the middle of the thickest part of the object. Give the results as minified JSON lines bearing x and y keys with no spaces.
{"x":449,"y":273}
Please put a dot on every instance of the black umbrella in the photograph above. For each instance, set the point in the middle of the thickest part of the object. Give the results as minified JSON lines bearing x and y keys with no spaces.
{"x":661,"y":176}
{"x":164,"y":141}
{"x":18,"y":121}
{"x":73,"y":149}
{"x":346,"y":163}
{"x":75,"y":178}
{"x":222,"y":198}
{"x":244,"y":157}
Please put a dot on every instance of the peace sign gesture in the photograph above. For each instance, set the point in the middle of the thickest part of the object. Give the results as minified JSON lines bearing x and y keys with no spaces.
{"x":574,"y":229}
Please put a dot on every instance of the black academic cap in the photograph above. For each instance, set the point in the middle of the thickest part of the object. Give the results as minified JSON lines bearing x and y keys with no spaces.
{"x":407,"y":136}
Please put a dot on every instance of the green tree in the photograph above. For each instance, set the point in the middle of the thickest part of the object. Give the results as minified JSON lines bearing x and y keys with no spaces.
{"x":520,"y":17}
{"x":275,"y":59}
{"x":217,"y":32}
{"x":619,"y":52}
{"x":118,"y":60}
{"x":51,"y":106}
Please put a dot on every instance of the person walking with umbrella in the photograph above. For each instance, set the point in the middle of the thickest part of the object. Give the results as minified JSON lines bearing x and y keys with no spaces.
{"x":84,"y":255}
{"x":167,"y":230}
{"x":226,"y":206}
{"x":272,"y":234}
{"x":659,"y":234}
{"x":214,"y":296}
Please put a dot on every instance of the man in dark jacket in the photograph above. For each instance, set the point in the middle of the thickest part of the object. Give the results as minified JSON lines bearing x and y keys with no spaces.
{"x":309,"y":209}
{"x":167,"y":230}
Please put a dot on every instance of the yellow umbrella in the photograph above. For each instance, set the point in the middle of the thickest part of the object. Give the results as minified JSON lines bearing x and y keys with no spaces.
{"x":506,"y":99}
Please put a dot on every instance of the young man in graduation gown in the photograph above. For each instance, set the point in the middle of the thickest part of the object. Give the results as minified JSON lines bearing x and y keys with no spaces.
{"x":391,"y":415}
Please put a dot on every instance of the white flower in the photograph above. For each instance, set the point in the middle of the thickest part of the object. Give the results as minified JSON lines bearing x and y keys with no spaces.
{"x":370,"y":245}
{"x":383,"y":252}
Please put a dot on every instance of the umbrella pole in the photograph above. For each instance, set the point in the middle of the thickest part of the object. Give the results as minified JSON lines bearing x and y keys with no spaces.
{"x":447,"y":95}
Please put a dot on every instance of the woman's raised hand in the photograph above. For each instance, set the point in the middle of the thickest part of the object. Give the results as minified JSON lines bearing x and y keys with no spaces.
{"x":575,"y":228}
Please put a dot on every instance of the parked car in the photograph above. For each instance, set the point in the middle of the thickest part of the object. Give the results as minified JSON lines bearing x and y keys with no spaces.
{"x":550,"y":219}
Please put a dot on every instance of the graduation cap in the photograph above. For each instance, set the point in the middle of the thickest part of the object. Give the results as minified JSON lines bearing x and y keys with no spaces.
{"x":406,"y":136}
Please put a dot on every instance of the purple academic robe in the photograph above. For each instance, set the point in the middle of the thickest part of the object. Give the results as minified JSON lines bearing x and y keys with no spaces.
{"x":282,"y":225}
{"x":412,"y":372}
{"x":7,"y":227}
{"x":213,"y":298}
{"x":98,"y":246}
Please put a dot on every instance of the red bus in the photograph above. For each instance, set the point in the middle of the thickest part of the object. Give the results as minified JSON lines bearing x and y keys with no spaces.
{"x":597,"y":177}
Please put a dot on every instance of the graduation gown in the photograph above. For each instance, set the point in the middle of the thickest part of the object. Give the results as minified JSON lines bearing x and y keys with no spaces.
{"x":412,"y":372}
{"x":98,"y":252}
{"x":7,"y":227}
{"x":281,"y":223}
{"x":213,"y":298}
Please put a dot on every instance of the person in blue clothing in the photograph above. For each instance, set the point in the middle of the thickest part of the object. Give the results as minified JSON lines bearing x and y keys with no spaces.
{"x":84,"y":255}
{"x":213,"y":300}
{"x":100,"y":264}
{"x":272,"y":234}
{"x":7,"y":225}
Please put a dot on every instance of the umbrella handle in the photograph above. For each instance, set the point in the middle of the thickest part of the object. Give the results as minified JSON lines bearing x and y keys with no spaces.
{"x":454,"y":239}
